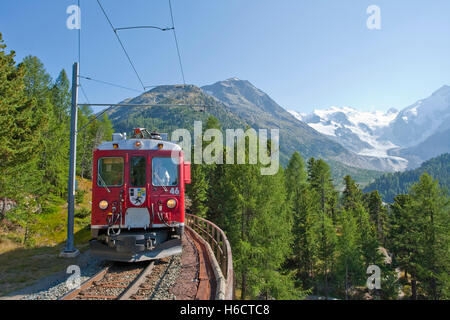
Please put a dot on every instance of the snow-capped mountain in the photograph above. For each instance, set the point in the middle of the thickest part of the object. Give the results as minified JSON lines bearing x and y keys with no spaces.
{"x":423,"y":129}
{"x":358,"y":131}
{"x":404,"y":139}
{"x":419,"y":121}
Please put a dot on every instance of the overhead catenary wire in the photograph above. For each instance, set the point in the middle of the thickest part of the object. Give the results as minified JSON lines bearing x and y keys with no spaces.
{"x":79,"y":41}
{"x":94,"y":119}
{"x":79,"y":58}
{"x":144,"y":27}
{"x":176,"y":41}
{"x":121,"y":44}
{"x":115,"y":30}
{"x":84,"y":93}
{"x":110,"y":84}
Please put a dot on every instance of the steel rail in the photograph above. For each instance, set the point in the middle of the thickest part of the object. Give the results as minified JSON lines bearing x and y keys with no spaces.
{"x":71,"y":295}
{"x":134,"y":286}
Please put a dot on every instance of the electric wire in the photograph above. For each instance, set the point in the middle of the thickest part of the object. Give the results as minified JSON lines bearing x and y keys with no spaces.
{"x":115,"y":30}
{"x":79,"y":40}
{"x":176,"y":41}
{"x":79,"y":57}
{"x":93,"y":119}
{"x":121,"y":44}
{"x":84,"y":93}
{"x":110,"y":84}
{"x":144,"y":27}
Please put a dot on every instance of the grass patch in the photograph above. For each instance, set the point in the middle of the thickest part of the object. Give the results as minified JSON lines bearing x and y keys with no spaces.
{"x":21,"y":265}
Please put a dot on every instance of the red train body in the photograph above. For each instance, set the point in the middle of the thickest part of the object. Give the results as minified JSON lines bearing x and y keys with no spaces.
{"x":138,"y":198}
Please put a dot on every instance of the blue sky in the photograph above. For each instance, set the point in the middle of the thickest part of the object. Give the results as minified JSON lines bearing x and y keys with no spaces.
{"x":304,"y":54}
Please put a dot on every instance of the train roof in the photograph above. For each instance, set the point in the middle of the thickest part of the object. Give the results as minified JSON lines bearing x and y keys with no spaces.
{"x":120,"y":142}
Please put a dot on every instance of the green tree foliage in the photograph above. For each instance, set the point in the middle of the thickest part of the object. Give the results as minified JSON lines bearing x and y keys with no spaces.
{"x":350,"y":265}
{"x":198,"y":191}
{"x":327,"y":250}
{"x":319,"y":178}
{"x":21,"y":118}
{"x":402,"y":239}
{"x":378,"y":214}
{"x":258,"y":223}
{"x":352,"y":195}
{"x":392,"y":184}
{"x":305,"y":208}
{"x":205,"y":200}
{"x":91,"y":132}
{"x":431,"y":209}
{"x":52,"y":135}
{"x":34,"y":137}
{"x":419,"y":238}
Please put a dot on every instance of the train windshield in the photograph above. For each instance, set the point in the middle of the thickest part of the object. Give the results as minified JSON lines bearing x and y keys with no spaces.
{"x":165,"y":172}
{"x":110,"y":172}
{"x":138,"y":172}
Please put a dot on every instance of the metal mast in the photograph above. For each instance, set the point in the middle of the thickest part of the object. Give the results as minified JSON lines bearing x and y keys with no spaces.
{"x":70,"y":251}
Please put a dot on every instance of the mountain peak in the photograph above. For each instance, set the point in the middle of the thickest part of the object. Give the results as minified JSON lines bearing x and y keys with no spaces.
{"x":392,"y":110}
{"x":444,"y":90}
{"x":233,"y":79}
{"x":174,"y":87}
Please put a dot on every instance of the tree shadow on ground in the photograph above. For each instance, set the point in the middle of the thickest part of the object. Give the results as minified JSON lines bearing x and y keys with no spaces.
{"x":22,"y":267}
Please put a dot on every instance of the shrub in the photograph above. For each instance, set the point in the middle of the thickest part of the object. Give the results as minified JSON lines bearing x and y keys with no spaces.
{"x":82,"y":213}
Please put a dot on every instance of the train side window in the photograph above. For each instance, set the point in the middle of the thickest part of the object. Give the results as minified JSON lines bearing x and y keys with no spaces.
{"x":164,"y":172}
{"x":110,"y":172}
{"x":138,"y":172}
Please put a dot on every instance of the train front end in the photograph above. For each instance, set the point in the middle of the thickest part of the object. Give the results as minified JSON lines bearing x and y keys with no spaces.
{"x":138,"y":198}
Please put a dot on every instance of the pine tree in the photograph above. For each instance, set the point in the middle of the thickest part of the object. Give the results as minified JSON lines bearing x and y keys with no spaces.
{"x":295,"y":175}
{"x":368,"y":237}
{"x":20,"y":122}
{"x":61,"y":97}
{"x":327,"y":249}
{"x":205,"y":180}
{"x":319,"y":177}
{"x":20,"y":117}
{"x":403,"y":240}
{"x":352,"y":195}
{"x":271,"y":242}
{"x":431,"y":209}
{"x":378,"y":214}
{"x":305,"y":208}
{"x":198,"y":191}
{"x":350,"y":265}
{"x":214,"y":173}
{"x":261,"y":245}
{"x":53,"y":159}
{"x":91,"y":132}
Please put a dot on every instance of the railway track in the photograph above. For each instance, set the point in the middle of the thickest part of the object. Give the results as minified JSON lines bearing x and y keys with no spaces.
{"x":141,"y":281}
{"x":120,"y":281}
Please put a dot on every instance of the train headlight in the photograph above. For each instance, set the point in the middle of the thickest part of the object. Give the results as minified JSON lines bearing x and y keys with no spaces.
{"x":103,"y":204}
{"x":171,"y":203}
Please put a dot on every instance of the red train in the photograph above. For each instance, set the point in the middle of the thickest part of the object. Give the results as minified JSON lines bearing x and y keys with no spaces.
{"x":138,"y":197}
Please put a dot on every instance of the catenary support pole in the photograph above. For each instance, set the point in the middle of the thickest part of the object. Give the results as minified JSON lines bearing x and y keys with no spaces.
{"x":70,"y":251}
